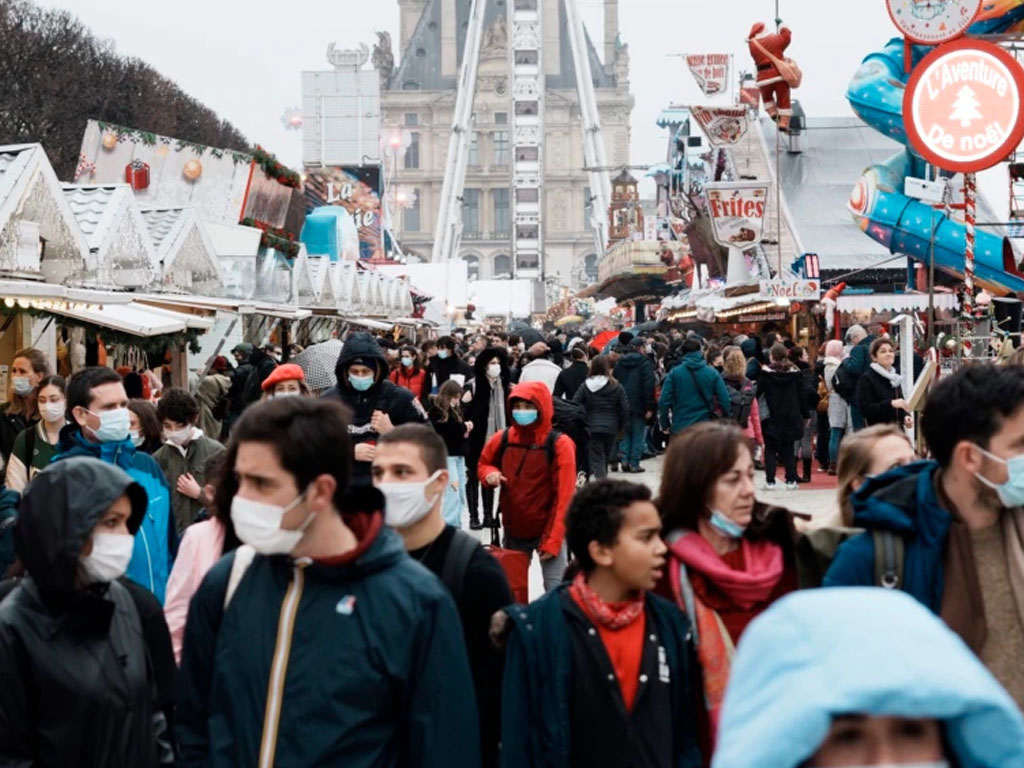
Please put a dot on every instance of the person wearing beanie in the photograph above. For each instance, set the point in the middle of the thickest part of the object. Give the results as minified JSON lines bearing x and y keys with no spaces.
{"x":239,"y":377}
{"x":377,"y":405}
{"x":287,"y":380}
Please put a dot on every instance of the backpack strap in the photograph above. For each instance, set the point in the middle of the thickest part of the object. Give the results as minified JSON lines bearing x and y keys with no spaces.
{"x":30,"y":449}
{"x":889,"y":552}
{"x":696,"y":385}
{"x":456,"y":563}
{"x":549,"y":445}
{"x":243,"y":559}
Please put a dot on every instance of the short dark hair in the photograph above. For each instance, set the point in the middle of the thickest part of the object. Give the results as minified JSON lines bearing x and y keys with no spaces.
{"x":690,"y":345}
{"x":686,"y":485}
{"x":83,"y":382}
{"x":53,"y":381}
{"x":447,"y":342}
{"x":778,"y":353}
{"x":432,"y":448}
{"x":177,"y":405}
{"x":310,"y":437}
{"x":579,"y":354}
{"x":596,"y":513}
{"x":970,"y":405}
{"x":877,"y":344}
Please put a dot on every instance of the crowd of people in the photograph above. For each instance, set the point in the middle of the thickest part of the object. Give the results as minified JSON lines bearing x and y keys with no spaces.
{"x":264,"y":569}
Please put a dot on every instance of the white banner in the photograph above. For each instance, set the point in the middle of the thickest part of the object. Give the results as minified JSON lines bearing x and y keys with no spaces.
{"x":711,"y":71}
{"x":724,"y":126}
{"x":791,"y":289}
{"x":737,"y":211}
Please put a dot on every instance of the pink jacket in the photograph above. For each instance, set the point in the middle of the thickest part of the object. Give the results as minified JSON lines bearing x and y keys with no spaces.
{"x":753,"y":429}
{"x":200,"y":549}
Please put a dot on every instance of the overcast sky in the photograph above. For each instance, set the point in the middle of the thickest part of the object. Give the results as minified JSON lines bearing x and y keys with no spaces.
{"x":244,"y":59}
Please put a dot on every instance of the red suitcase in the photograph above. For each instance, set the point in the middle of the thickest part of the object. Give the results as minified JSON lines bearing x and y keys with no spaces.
{"x":516,"y":565}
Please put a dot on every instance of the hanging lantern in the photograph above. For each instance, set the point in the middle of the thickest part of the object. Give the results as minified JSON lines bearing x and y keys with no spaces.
{"x":193,"y":170}
{"x":109,"y":140}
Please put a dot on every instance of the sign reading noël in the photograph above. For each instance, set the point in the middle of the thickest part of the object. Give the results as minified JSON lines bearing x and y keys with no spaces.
{"x":962,"y":106}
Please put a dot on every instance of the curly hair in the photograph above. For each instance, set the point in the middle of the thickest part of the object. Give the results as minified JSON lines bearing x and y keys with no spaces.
{"x":596,"y":514}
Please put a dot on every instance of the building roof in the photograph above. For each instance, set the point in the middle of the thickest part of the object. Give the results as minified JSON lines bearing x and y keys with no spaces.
{"x":817,"y":183}
{"x":14,"y":160}
{"x":95,"y":208}
{"x":164,"y":224}
{"x":421,"y":60}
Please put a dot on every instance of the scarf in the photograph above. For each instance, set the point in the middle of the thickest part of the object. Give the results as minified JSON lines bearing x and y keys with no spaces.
{"x":894,"y":378}
{"x":746,"y":588}
{"x":496,"y":408}
{"x":609,"y":615}
{"x":594,"y":383}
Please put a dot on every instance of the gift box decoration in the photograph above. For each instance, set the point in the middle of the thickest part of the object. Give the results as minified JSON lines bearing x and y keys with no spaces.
{"x":136,"y":173}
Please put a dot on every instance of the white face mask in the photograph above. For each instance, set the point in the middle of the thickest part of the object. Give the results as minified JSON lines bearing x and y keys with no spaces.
{"x":494,"y":370}
{"x":406,"y":503}
{"x":179,"y":436}
{"x":928,"y":764}
{"x":136,"y":438}
{"x":111,"y":553}
{"x":52,"y":412}
{"x":259,"y":525}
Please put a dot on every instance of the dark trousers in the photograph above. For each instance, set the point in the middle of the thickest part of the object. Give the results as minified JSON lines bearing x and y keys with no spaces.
{"x":779,"y":451}
{"x":476,"y":489}
{"x":601,"y":451}
{"x":824,"y":434}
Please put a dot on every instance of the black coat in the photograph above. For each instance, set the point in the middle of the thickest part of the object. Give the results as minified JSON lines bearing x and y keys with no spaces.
{"x":784,"y":390}
{"x":478,"y":408}
{"x":570,"y":380}
{"x":236,"y":395}
{"x":439,"y":371}
{"x":262,"y":366}
{"x":636,"y":375}
{"x":11,"y":425}
{"x":874,"y":397}
{"x":607,"y":409}
{"x":79,"y":682}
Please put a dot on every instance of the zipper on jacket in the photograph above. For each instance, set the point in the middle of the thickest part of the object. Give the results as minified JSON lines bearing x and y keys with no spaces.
{"x":279,"y":666}
{"x":149,"y":557}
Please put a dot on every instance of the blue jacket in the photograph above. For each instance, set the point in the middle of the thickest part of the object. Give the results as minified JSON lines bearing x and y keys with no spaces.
{"x":536,"y":694}
{"x":688,"y":405}
{"x":156,"y":543}
{"x":904,"y":501}
{"x":860,"y":356}
{"x":377,"y":673}
{"x":819,"y":653}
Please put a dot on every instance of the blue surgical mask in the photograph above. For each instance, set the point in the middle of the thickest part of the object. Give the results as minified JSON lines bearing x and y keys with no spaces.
{"x":525,"y":418}
{"x":927,"y":764}
{"x":726,"y":526}
{"x":114,"y":425}
{"x":443,"y":354}
{"x":360,"y":383}
{"x":21,"y":385}
{"x":1011,"y":493}
{"x":407,"y":362}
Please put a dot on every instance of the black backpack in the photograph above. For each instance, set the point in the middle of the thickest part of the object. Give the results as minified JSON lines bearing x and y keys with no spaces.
{"x":741,"y":400}
{"x":570,"y":418}
{"x":844,"y":381}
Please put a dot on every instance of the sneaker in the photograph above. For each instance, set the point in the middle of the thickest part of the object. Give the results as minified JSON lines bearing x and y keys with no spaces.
{"x":791,"y":486}
{"x":768,"y":486}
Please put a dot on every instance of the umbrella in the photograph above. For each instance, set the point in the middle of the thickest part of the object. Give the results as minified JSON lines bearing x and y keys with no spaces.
{"x":318,"y":362}
{"x":568,"y":320}
{"x":603,"y":338}
{"x":530,"y":336}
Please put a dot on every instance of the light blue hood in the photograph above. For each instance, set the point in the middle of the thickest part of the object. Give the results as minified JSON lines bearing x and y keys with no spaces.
{"x":819,"y":653}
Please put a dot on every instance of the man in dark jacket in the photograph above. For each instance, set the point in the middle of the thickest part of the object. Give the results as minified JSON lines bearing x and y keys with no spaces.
{"x":572,"y":378}
{"x":445,"y":364}
{"x":239,"y":378}
{"x":377,"y":404}
{"x":782,"y":385}
{"x":262,"y":366}
{"x":959,"y":518}
{"x":415,"y":454}
{"x":565,"y":701}
{"x":692,"y":391}
{"x":636,"y":375}
{"x":320,"y":642}
{"x":857,"y":364}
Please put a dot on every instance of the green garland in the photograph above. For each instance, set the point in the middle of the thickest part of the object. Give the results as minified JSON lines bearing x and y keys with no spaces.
{"x":274,"y":237}
{"x":274,"y":169}
{"x":150,"y":139}
{"x":112,"y":338}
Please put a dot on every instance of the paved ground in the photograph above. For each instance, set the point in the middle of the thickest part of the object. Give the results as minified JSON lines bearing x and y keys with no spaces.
{"x":816,"y":499}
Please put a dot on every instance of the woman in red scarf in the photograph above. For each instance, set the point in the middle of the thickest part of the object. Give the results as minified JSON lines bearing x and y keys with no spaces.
{"x":729,"y":557}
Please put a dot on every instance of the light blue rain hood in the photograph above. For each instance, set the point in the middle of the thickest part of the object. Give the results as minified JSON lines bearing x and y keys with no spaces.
{"x":819,"y":653}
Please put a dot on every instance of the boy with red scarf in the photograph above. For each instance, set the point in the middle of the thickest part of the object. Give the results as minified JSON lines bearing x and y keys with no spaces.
{"x":598,"y":672}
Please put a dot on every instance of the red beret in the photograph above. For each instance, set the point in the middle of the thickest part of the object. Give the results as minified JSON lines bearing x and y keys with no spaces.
{"x":286,"y":372}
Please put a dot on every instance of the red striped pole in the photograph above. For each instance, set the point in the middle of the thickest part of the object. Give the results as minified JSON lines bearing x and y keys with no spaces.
{"x":970,"y":194}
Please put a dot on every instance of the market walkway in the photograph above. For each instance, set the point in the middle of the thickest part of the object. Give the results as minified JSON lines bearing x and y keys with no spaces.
{"x":816,"y":499}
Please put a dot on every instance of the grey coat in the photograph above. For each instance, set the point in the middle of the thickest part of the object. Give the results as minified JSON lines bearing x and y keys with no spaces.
{"x":838,"y":409}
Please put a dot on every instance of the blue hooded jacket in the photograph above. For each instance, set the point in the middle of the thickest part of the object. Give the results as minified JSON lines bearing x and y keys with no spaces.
{"x":820,"y":653}
{"x":156,"y":543}
{"x":905,"y":502}
{"x":688,"y":405}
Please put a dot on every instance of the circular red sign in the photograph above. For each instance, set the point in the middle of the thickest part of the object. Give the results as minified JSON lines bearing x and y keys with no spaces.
{"x":930,"y":22}
{"x":962,"y":107}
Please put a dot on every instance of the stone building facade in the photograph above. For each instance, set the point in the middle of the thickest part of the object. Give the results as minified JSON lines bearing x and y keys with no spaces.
{"x":417,"y":103}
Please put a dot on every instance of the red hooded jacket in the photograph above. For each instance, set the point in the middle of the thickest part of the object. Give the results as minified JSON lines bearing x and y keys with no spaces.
{"x":535,"y":495}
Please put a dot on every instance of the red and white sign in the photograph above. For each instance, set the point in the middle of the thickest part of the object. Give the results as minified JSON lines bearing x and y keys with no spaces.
{"x":737,"y":211}
{"x":962,"y":107}
{"x":791,"y":289}
{"x":724,"y":126}
{"x":711,"y":71}
{"x":930,"y":22}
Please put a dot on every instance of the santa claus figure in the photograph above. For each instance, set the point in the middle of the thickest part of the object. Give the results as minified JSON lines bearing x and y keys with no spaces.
{"x":767,"y":51}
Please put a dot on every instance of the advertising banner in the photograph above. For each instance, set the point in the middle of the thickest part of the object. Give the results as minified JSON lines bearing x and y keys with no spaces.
{"x":737,"y":211}
{"x":711,"y":71}
{"x":723,"y":126}
{"x":357,"y":190}
{"x":791,"y":289}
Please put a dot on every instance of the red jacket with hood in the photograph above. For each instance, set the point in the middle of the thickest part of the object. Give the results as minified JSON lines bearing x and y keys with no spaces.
{"x":535,"y":495}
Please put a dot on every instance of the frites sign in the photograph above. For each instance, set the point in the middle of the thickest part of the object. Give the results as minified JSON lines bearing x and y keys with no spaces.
{"x":737,"y":211}
{"x":962,"y":107}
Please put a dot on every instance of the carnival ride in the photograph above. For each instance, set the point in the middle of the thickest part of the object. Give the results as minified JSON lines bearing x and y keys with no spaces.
{"x":879,"y":206}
